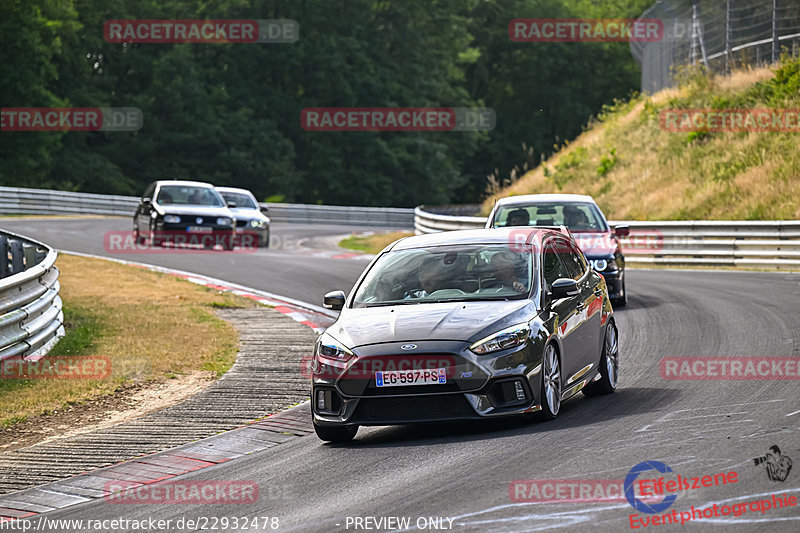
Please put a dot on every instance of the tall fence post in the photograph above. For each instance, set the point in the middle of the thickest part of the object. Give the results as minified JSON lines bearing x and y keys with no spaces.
{"x":695,"y":32}
{"x":728,"y":35}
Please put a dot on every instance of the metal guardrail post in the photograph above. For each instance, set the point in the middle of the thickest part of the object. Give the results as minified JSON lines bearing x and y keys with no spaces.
{"x":5,"y":265}
{"x":17,"y":256}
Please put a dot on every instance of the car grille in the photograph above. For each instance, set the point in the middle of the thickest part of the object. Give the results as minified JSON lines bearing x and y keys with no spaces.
{"x":412,"y":408}
{"x":242,"y":223}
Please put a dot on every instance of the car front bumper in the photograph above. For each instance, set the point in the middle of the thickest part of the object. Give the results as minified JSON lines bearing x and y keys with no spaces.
{"x":487,"y":391}
{"x":614,"y":282}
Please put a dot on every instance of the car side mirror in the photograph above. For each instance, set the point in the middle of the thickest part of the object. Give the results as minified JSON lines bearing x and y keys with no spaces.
{"x":263,"y":209}
{"x":564,"y":288}
{"x":146,"y":201}
{"x":334,"y":300}
{"x":623,"y":230}
{"x":231,"y":204}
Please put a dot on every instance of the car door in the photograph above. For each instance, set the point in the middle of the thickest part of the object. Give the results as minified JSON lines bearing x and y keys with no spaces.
{"x":590,"y":305}
{"x":568,"y":310}
{"x":143,"y":210}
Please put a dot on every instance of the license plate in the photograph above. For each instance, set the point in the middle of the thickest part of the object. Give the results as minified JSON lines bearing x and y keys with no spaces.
{"x":405,"y":378}
{"x":199,"y":229}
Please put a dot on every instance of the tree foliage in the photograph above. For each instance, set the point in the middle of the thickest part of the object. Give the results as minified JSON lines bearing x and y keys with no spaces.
{"x":230,"y":113}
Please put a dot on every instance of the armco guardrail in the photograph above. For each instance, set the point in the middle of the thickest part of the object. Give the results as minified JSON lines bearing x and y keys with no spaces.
{"x":393,"y":217}
{"x":31,"y":319}
{"x":21,"y":201}
{"x":738,"y":243}
{"x":16,"y":200}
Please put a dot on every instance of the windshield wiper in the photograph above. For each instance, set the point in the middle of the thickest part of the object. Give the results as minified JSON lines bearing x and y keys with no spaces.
{"x":399,"y":302}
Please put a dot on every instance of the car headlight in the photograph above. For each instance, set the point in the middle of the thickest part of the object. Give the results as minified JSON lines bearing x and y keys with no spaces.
{"x":172,"y":219}
{"x":224,"y":221}
{"x":257,"y":223}
{"x":604,"y":265}
{"x":507,"y":338}
{"x":329,"y":348}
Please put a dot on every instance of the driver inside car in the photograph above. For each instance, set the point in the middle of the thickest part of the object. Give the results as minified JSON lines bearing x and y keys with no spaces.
{"x":432,"y":276}
{"x":575,"y":218}
{"x":518,"y":217}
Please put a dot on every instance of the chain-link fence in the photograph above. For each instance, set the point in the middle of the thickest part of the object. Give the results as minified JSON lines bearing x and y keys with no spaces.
{"x":719,"y":34}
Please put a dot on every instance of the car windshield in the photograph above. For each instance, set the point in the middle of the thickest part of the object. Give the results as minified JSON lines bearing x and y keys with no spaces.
{"x":241,"y":200}
{"x":446,"y":273}
{"x":188,"y":195}
{"x":575,"y":216}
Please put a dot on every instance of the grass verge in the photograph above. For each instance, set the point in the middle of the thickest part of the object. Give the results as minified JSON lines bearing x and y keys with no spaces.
{"x":151,"y":326}
{"x":372,"y":244}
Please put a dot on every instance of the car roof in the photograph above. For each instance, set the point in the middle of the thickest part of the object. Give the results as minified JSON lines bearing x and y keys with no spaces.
{"x":504,"y":235}
{"x":234,"y":189}
{"x":545,"y":198}
{"x":183,"y":183}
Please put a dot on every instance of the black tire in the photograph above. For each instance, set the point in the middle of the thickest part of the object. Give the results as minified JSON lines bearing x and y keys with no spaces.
{"x":609,"y":364}
{"x":265,"y":241}
{"x":622,"y":300}
{"x":551,"y":383}
{"x":336,"y":433}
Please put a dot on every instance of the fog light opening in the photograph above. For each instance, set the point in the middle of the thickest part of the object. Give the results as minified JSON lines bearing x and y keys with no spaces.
{"x":327,"y":401}
{"x":509,"y":393}
{"x":519,"y":390}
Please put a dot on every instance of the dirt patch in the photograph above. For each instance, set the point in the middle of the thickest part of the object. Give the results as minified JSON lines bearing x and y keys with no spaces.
{"x":127,"y":404}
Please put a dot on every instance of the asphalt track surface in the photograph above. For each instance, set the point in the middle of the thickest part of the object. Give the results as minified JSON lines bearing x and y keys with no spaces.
{"x":463,"y":471}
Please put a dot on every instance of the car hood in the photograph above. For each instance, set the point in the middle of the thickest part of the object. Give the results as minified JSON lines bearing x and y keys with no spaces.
{"x":457,"y":321}
{"x":203,"y":210}
{"x":596,"y":243}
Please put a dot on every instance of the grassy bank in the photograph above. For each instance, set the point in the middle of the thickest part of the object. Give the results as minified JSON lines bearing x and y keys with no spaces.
{"x":372,"y":244}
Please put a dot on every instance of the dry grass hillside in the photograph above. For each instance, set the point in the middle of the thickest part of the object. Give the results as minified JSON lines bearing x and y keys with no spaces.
{"x":638,"y":171}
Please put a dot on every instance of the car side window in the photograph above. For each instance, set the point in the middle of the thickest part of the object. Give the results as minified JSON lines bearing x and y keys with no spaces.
{"x":573,"y":261}
{"x":552,"y":266}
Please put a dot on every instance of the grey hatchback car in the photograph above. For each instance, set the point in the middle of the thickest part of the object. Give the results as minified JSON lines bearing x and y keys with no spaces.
{"x":464,"y":325}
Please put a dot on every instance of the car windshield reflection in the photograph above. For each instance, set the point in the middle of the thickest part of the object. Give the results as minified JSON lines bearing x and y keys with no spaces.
{"x":446,"y":274}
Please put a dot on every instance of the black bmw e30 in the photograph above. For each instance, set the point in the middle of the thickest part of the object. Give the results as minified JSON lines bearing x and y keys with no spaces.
{"x":464,"y":325}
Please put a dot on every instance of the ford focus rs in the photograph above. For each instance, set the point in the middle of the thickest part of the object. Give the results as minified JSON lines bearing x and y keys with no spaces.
{"x":464,"y":325}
